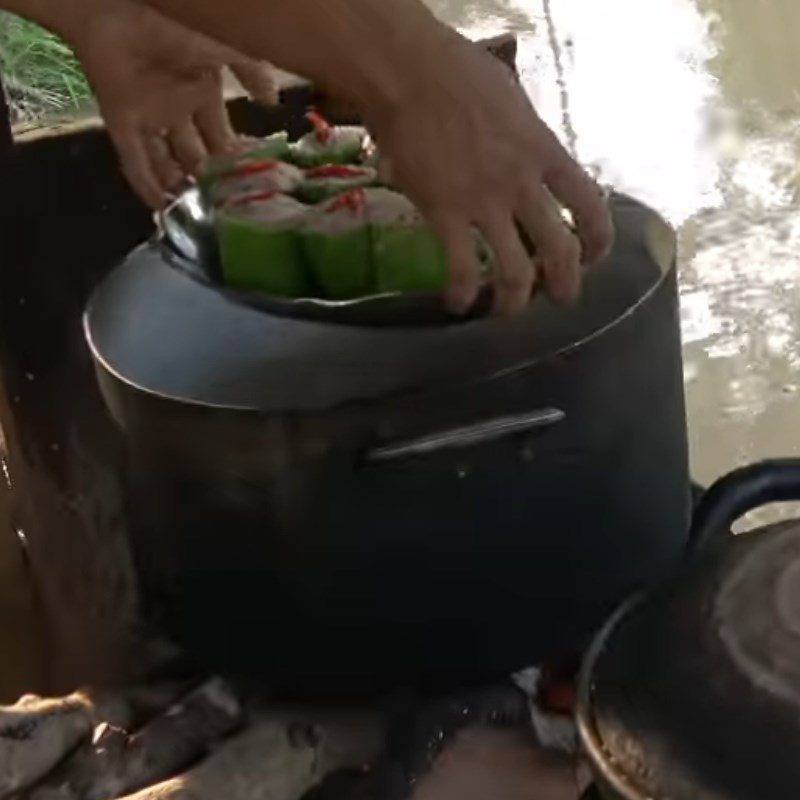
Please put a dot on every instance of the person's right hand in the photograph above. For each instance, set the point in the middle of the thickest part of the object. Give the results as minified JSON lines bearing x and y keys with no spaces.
{"x":467,"y":146}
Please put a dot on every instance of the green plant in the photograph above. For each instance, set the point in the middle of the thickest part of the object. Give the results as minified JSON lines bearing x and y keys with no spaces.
{"x":40,"y":73}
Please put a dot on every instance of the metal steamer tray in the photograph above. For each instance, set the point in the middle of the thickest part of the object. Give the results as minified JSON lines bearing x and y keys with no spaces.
{"x":186,"y":239}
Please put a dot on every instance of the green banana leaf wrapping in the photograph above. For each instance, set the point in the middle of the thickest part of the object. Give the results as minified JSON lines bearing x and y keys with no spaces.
{"x":260,"y":245}
{"x":407,"y":255}
{"x":275,"y":146}
{"x":255,"y":176}
{"x":337,"y":245}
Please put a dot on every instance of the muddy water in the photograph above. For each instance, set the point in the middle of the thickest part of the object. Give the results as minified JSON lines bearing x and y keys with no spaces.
{"x":693,"y":106}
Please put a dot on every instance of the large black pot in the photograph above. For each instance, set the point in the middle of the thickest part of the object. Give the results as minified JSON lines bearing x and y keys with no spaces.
{"x":341,"y":506}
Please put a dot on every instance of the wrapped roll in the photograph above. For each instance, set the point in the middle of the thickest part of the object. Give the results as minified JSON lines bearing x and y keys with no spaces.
{"x":407,"y":254}
{"x":328,"y":144}
{"x":260,"y":245}
{"x":337,"y":244}
{"x":321,"y":183}
{"x":275,"y":146}
{"x":255,"y":176}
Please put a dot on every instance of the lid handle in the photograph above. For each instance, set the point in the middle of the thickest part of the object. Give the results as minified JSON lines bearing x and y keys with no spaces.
{"x":743,"y":490}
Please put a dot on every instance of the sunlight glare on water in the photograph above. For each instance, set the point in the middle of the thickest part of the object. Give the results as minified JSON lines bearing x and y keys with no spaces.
{"x":694,"y":107}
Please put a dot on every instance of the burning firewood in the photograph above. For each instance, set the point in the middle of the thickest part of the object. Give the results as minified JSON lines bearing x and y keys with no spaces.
{"x":116,"y":762}
{"x":131,"y":708}
{"x":36,"y":733}
{"x":278,"y":758}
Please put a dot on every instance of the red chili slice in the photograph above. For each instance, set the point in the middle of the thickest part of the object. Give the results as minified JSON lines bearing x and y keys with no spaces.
{"x":253,"y":197}
{"x":253,"y":168}
{"x":336,"y":171}
{"x":322,"y":128}
{"x":354,"y":201}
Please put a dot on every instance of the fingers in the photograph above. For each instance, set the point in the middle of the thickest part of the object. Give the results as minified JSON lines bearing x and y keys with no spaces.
{"x":166,"y":168}
{"x":516,"y":271}
{"x":257,"y":80}
{"x":465,"y":268}
{"x":188,"y":147}
{"x":214,"y":126}
{"x":582,"y":196}
{"x":514,"y":274}
{"x":137,"y":167}
{"x":155,"y":165}
{"x":558,"y":252}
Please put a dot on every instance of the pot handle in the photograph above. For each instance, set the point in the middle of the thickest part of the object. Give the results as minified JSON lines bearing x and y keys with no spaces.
{"x":185,"y":226}
{"x":467,"y":436}
{"x":743,"y":490}
{"x":171,"y":223}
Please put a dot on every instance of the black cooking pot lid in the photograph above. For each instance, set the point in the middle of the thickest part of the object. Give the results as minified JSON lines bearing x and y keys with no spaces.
{"x":695,"y":691}
{"x":163,"y":331}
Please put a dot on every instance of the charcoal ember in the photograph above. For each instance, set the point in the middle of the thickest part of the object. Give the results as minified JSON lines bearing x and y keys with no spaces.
{"x":116,"y":762}
{"x":37,"y":733}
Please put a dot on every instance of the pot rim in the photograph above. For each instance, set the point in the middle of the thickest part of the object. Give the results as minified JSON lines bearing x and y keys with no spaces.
{"x":590,"y":737}
{"x":192,"y":391}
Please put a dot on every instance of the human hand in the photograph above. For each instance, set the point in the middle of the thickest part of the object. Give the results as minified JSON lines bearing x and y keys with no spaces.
{"x":159,"y":88}
{"x":483,"y":764}
{"x":467,"y":146}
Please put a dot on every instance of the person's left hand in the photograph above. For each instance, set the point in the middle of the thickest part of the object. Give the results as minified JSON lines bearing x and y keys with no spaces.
{"x":159,"y":88}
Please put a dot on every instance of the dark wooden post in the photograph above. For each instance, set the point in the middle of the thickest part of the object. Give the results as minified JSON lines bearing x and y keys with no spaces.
{"x":5,"y":123}
{"x":21,"y":668}
{"x":66,"y":217}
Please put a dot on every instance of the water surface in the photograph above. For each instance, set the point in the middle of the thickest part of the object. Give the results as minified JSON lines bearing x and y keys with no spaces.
{"x":694,"y":107}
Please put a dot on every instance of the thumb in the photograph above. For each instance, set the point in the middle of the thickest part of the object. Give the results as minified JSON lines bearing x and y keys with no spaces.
{"x":255,"y":76}
{"x":257,"y":79}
